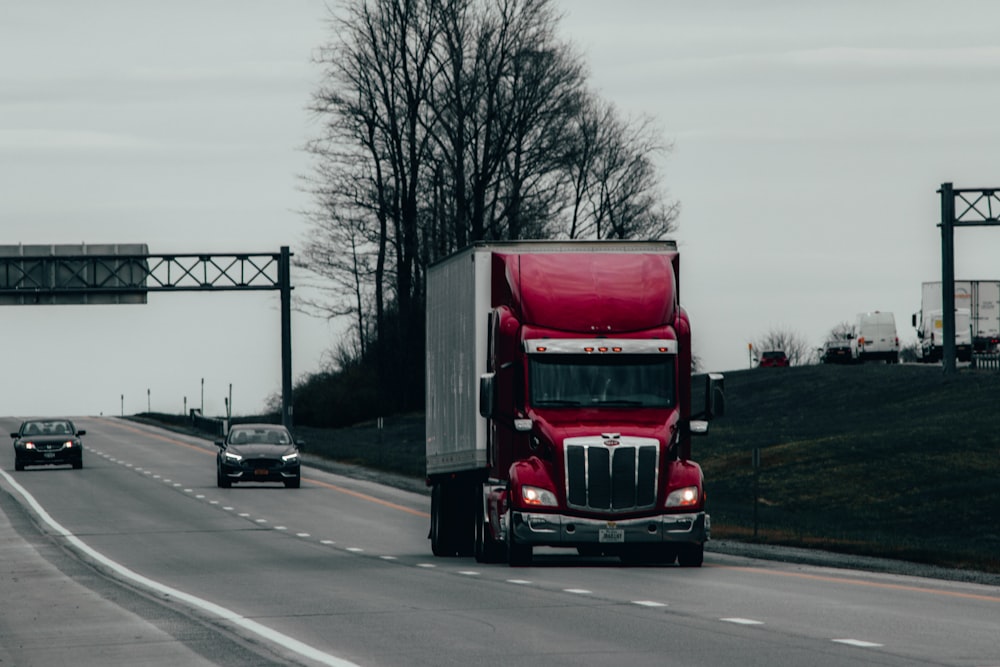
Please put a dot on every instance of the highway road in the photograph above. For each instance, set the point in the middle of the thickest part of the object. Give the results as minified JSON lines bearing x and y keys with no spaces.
{"x":139,"y":558}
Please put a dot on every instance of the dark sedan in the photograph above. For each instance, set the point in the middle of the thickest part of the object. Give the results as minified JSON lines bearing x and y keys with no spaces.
{"x":46,"y":442}
{"x":258,"y":453}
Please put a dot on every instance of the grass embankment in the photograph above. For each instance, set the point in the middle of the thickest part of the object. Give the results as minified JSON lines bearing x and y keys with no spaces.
{"x":894,"y":461}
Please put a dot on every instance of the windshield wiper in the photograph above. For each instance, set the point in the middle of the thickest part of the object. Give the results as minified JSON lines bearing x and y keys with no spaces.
{"x":556,"y":401}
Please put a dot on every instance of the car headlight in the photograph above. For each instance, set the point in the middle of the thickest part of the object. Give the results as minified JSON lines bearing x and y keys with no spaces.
{"x":290,"y":458}
{"x":535,"y":496}
{"x":68,"y":443}
{"x":29,"y":445}
{"x":235,"y":458}
{"x":686,"y":497}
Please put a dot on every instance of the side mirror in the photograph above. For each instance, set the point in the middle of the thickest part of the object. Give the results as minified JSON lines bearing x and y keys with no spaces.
{"x":301,"y":444}
{"x":913,"y":320}
{"x":15,"y":435}
{"x":79,"y":433}
{"x":220,"y":443}
{"x":487,"y":394}
{"x":715,"y":396}
{"x":698,"y":427}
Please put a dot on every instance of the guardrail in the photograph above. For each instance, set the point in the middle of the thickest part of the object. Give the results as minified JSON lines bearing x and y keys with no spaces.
{"x":986,"y":361}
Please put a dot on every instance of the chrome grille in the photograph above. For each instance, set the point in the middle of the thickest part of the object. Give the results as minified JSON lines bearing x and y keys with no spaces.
{"x":615,"y":478}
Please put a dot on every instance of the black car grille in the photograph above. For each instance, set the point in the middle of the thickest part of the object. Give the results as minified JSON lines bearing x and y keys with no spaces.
{"x":618,"y":478}
{"x":48,"y":446}
{"x":262,"y":464}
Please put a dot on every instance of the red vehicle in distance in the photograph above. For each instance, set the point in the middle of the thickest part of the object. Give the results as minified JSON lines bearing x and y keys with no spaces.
{"x":772,"y":359}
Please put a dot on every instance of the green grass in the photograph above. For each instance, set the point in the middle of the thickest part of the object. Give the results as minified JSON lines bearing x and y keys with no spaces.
{"x":894,"y":461}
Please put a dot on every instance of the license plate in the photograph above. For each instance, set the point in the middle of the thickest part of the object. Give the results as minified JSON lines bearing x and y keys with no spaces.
{"x":260,"y":471}
{"x":611,"y":535}
{"x":49,"y":455}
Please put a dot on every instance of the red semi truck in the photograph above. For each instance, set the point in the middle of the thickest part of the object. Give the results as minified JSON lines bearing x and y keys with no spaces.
{"x":559,"y":403}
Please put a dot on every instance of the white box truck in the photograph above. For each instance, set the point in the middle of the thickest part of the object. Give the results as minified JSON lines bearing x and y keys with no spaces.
{"x":981,"y":298}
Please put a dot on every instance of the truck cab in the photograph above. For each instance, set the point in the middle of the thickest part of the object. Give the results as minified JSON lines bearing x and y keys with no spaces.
{"x":583,"y":436}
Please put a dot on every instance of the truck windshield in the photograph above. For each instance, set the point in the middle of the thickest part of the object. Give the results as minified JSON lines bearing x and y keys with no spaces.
{"x":566,"y":380}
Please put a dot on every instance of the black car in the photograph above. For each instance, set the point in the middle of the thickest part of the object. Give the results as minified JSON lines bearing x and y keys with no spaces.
{"x":258,"y":453}
{"x":45,"y":442}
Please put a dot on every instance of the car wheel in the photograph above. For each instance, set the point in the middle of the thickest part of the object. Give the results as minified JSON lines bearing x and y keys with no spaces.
{"x":221,"y":480}
{"x":293,"y":483}
{"x":78,"y":464}
{"x":18,"y":465}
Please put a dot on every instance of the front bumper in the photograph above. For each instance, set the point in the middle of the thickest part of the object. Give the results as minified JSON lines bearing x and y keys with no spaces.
{"x":36,"y":457}
{"x":259,"y":472}
{"x":555,"y":530}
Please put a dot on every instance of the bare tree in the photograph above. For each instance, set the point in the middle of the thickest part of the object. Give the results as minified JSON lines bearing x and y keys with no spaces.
{"x":451,"y":121}
{"x":841,"y":331}
{"x":615,"y":188}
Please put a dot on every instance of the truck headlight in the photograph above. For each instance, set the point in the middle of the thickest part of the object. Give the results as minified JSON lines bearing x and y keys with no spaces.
{"x":686,"y":497}
{"x":535,"y":496}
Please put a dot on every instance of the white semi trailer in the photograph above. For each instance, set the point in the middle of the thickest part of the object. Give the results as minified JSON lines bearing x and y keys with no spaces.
{"x":981,"y":298}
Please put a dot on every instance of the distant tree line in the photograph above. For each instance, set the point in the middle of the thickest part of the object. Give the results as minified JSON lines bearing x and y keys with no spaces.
{"x":443,"y":123}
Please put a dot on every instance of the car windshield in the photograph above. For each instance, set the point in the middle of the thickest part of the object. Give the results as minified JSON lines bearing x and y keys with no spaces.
{"x":47,"y":427}
{"x":627,"y":380}
{"x":260,"y":436}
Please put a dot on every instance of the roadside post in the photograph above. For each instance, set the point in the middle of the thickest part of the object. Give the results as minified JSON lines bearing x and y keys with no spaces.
{"x":755,"y":460}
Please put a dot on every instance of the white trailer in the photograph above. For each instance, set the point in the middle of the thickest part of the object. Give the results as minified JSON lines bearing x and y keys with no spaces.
{"x":980,"y":297}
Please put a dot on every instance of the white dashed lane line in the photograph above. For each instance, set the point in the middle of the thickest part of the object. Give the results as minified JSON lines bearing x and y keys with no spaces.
{"x":857,"y":642}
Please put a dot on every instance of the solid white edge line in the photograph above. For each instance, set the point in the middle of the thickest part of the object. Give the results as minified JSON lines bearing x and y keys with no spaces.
{"x":219,"y":611}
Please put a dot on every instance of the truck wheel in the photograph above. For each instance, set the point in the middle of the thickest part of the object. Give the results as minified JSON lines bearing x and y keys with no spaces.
{"x":518,"y":555}
{"x":441,"y":543}
{"x":691,"y":554}
{"x":487,"y":549}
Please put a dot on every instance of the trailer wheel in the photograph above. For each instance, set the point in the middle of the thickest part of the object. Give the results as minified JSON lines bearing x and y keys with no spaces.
{"x":691,"y":554}
{"x":518,"y":555}
{"x":441,"y":543}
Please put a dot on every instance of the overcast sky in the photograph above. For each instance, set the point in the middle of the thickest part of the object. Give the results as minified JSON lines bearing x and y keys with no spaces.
{"x":809,"y":141}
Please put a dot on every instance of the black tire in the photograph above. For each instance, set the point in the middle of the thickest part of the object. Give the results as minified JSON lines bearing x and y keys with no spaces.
{"x":518,"y":555}
{"x":293,"y":483}
{"x":78,"y":464}
{"x":18,"y":465}
{"x":691,"y":554}
{"x":441,"y":541}
{"x":488,"y":550}
{"x":221,"y":480}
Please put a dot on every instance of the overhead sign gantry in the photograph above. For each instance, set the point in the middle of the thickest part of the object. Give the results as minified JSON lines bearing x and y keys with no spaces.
{"x":126,"y":273}
{"x":960,"y":207}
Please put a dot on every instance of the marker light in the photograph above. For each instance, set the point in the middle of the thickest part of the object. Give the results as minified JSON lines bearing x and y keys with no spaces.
{"x":541,"y":348}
